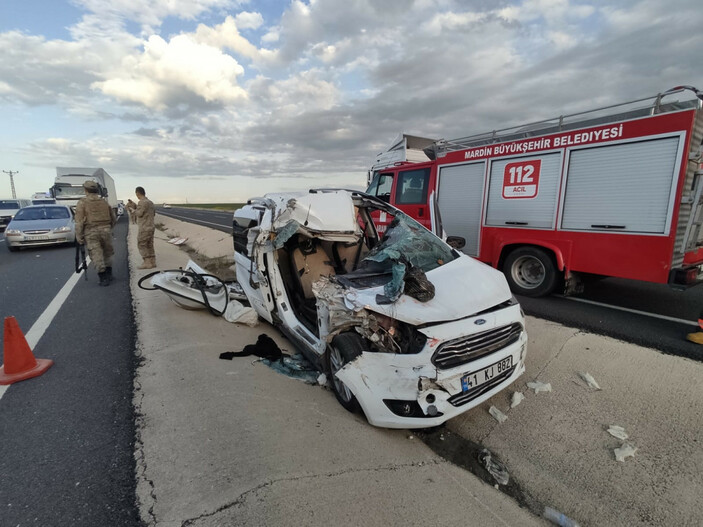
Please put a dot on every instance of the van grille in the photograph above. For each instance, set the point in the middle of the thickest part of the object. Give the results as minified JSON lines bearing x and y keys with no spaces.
{"x":465,"y":349}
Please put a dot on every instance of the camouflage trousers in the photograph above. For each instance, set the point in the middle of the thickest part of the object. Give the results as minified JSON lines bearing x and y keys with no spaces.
{"x":145,"y":243}
{"x":98,"y":241}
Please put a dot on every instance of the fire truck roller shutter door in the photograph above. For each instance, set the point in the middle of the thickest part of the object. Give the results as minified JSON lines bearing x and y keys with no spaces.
{"x":625,"y":187}
{"x":460,"y":198}
{"x":537,"y":209}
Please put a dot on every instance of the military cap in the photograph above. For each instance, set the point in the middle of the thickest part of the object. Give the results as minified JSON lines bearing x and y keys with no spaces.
{"x":90,"y":185}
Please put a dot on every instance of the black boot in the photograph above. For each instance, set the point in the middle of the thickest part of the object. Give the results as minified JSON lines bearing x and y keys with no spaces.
{"x":104,"y":281}
{"x":108,"y":273}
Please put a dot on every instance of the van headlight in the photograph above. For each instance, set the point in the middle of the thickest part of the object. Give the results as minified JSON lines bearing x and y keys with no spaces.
{"x":62,"y":229}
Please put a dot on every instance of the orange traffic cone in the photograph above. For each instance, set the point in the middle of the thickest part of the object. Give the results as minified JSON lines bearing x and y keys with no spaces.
{"x":19,"y":364}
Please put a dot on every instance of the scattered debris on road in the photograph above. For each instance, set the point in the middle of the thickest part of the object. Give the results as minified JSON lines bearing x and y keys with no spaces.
{"x":190,"y":288}
{"x":497,"y":414}
{"x":625,"y":451}
{"x":237,"y":313}
{"x":558,"y":518}
{"x":517,"y":398}
{"x":618,"y":431}
{"x":588,"y":379}
{"x":177,"y":241}
{"x":296,"y":367}
{"x":493,"y":466}
{"x":538,"y":386}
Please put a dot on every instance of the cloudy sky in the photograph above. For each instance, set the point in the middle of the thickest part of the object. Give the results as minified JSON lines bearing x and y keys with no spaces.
{"x":220,"y":100}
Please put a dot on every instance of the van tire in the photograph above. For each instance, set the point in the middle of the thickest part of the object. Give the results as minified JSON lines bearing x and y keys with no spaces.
{"x":530,"y":271}
{"x":343,"y":349}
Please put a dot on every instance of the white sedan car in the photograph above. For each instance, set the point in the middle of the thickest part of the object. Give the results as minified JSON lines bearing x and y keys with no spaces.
{"x":40,"y":225}
{"x":407,"y":328}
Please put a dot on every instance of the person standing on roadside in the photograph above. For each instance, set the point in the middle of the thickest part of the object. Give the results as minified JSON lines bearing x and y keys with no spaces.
{"x":94,"y":221}
{"x":145,"y":211}
{"x":130,"y":210}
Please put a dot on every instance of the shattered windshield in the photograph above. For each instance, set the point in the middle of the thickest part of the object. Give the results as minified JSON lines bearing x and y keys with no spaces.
{"x":405,"y":253}
{"x":406,"y":241}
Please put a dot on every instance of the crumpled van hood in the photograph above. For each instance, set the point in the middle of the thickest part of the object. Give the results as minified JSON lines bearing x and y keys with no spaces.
{"x":463,"y":287}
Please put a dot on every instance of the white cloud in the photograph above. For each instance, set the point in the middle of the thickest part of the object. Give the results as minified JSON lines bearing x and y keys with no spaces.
{"x":249,"y":20}
{"x":170,"y":72}
{"x":150,"y":14}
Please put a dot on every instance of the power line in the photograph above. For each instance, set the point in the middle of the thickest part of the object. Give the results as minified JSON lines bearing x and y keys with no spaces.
{"x":12,"y":181}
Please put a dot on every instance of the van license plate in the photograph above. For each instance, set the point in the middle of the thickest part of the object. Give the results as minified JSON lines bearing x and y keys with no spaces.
{"x":476,"y":379}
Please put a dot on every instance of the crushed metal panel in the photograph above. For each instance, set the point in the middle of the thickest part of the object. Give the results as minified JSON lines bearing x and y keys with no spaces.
{"x":318,"y":212}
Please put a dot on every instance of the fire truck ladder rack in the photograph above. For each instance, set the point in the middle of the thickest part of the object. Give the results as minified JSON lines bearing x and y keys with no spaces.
{"x":607,"y":114}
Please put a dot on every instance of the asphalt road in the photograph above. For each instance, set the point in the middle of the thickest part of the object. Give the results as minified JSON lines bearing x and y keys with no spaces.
{"x":215,"y":219}
{"x":662,"y":319}
{"x":67,"y":447}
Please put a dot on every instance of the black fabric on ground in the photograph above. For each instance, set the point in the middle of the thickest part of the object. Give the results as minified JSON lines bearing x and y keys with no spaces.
{"x":265,"y":348}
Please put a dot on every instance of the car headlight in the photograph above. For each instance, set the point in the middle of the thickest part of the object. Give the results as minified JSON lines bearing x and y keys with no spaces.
{"x":62,"y":229}
{"x":13,"y":232}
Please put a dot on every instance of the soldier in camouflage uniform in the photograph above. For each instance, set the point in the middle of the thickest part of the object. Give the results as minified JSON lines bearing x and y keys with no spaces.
{"x":94,"y":221}
{"x":145,"y":211}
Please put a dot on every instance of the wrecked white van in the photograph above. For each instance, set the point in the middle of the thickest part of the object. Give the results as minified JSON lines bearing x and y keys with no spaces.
{"x":407,"y":328}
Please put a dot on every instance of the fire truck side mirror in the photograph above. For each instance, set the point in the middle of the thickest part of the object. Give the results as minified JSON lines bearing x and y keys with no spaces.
{"x":456,"y":242}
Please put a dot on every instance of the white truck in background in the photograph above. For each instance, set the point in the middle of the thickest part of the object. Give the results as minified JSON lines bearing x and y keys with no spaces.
{"x":68,"y":185}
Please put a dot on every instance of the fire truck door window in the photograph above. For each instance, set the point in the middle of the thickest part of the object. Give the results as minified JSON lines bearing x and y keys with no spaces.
{"x":412,"y":187}
{"x":622,"y":188}
{"x":381,"y":187}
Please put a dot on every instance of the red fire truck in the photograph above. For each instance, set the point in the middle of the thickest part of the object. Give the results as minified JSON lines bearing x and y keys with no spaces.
{"x":615,"y":191}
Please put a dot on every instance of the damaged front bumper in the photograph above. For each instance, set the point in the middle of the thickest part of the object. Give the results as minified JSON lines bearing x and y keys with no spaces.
{"x":421,"y":390}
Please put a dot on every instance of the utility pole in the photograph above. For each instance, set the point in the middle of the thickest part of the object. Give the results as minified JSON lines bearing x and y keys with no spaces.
{"x":12,"y":181}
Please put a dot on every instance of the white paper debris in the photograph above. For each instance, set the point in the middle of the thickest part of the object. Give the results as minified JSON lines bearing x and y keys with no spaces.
{"x":497,"y":414}
{"x":626,"y":450}
{"x":237,"y":313}
{"x":618,"y":431}
{"x":322,"y":379}
{"x":494,"y":467}
{"x":517,"y":399}
{"x":538,"y":386}
{"x":588,"y":378}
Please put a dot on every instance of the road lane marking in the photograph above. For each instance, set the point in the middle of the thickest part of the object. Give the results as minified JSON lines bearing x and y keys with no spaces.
{"x":636,"y":311}
{"x":37,"y":330}
{"x":194,"y":220}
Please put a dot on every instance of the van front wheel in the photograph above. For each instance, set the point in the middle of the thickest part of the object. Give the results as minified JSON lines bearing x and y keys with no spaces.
{"x":343,"y":349}
{"x":530,"y":272}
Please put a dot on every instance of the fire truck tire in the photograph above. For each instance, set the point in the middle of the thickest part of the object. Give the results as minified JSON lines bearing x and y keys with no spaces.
{"x":530,"y":271}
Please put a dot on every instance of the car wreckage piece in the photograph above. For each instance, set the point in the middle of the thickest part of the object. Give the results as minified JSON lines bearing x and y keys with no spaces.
{"x":407,"y":328}
{"x":193,"y":288}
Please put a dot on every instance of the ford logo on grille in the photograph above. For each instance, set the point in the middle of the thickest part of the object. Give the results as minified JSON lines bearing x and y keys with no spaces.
{"x":480,"y":321}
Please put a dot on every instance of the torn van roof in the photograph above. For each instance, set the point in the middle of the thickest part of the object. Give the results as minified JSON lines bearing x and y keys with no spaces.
{"x":318,"y":212}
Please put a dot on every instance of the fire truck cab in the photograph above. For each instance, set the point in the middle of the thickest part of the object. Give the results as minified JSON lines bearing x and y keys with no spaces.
{"x":615,"y":191}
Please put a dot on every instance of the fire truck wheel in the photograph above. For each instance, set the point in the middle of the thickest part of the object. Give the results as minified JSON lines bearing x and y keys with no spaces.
{"x":530,"y":272}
